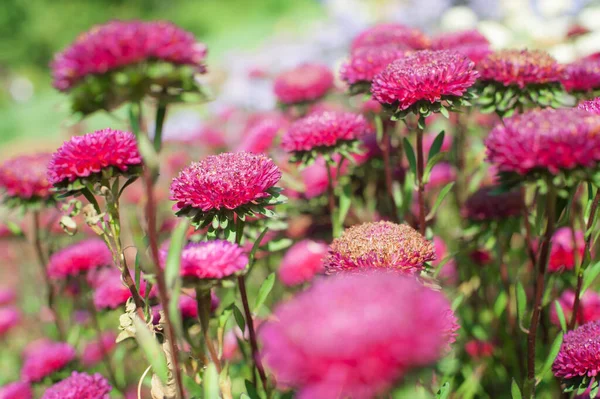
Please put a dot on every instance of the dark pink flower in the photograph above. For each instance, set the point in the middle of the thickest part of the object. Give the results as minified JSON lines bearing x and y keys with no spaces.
{"x":486,"y":204}
{"x":565,"y":245}
{"x":259,"y":137}
{"x":43,"y":358}
{"x":80,"y":386}
{"x":79,"y":258}
{"x":592,"y":106}
{"x":388,"y":324}
{"x":315,"y":177}
{"x":116,"y":44}
{"x":96,"y":350}
{"x":91,"y":153}
{"x":302,"y":262}
{"x":366,"y":62}
{"x":468,"y":42}
{"x":479,"y":349}
{"x":520,"y":68}
{"x":307,"y":82}
{"x":579,"y":353}
{"x":547,"y":140}
{"x":391,"y":34}
{"x":9,"y":318}
{"x":424,"y":76}
{"x":110,"y":292}
{"x":225,"y":181}
{"x":25,"y":177}
{"x":481,"y":257}
{"x":582,"y":75}
{"x":16,"y":390}
{"x":379,"y":246}
{"x":589,"y":307}
{"x":323,"y":129}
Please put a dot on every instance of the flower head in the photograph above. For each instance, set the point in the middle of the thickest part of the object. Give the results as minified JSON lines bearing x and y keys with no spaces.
{"x":24,"y":177}
{"x":391,"y":34}
{"x":302,"y":347}
{"x":323,"y":129}
{"x":582,"y":75}
{"x":16,"y":390}
{"x":43,"y":358}
{"x":79,"y":258}
{"x":84,"y":156}
{"x":592,"y":106}
{"x":110,"y":292}
{"x":307,"y":82}
{"x":468,"y":42}
{"x":80,"y":386}
{"x":486,"y":204}
{"x":578,"y":355}
{"x":379,"y":245}
{"x":545,"y":140}
{"x":520,"y":68}
{"x":566,"y":244}
{"x":116,"y":44}
{"x":9,"y":318}
{"x":441,"y":174}
{"x":366,"y":62}
{"x":589,"y":307}
{"x":225,"y":182}
{"x":302,"y":262}
{"x":259,"y":137}
{"x":429,"y":76}
{"x":96,"y":350}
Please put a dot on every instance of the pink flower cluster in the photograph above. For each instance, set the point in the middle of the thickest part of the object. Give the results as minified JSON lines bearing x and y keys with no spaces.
{"x":302,"y":262}
{"x":549,"y":139}
{"x":9,"y":318}
{"x":259,"y":137}
{"x":110,"y":292}
{"x":582,"y":75}
{"x":25,"y":176}
{"x":520,"y":68}
{"x":43,"y":358}
{"x":382,"y":340}
{"x":469,"y":42}
{"x":307,"y":82}
{"x":391,"y":34}
{"x":592,"y":106}
{"x":225,"y":181}
{"x":589,"y":307}
{"x":578,"y":355}
{"x":116,"y":44}
{"x":79,"y":258}
{"x":366,"y":62}
{"x":424,"y":76}
{"x":16,"y":390}
{"x":85,"y":155}
{"x":485,"y":204}
{"x":80,"y":386}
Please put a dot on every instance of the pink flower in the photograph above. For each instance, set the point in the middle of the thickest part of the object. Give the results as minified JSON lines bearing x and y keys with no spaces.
{"x":469,"y":42}
{"x":80,"y":386}
{"x":9,"y":318}
{"x":578,"y":355}
{"x":582,"y":75}
{"x":479,"y":349}
{"x":189,"y":307}
{"x":323,"y":129}
{"x":388,"y":324}
{"x":116,"y":44}
{"x":79,"y":258}
{"x":366,"y":62}
{"x":424,"y":76}
{"x":302,"y":262}
{"x":7,"y":295}
{"x":520,"y":68}
{"x":315,"y":178}
{"x":16,"y":390}
{"x":481,"y":257}
{"x":428,"y":140}
{"x":377,"y":246}
{"x":441,"y":174}
{"x":486,"y":204}
{"x":307,"y":82}
{"x":565,"y":245}
{"x":95,"y":351}
{"x":589,"y":307}
{"x":92,"y":153}
{"x":110,"y":292}
{"x":43,"y":358}
{"x":260,"y":137}
{"x":592,"y":106}
{"x":25,"y":177}
{"x":225,"y":181}
{"x":391,"y":34}
{"x":548,"y":139}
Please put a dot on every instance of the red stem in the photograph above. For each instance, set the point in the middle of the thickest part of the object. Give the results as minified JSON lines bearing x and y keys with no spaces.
{"x":420,"y":184}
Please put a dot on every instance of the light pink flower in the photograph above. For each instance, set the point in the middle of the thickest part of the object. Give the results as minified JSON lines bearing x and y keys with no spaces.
{"x":302,"y":262}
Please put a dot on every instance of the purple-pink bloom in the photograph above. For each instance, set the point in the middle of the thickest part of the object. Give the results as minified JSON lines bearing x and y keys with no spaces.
{"x":43,"y":358}
{"x":80,"y":386}
{"x":391,"y":34}
{"x":468,"y":42}
{"x":592,"y":106}
{"x":487,"y":204}
{"x":79,"y":258}
{"x":259,"y":137}
{"x":110,"y":292}
{"x":566,"y":245}
{"x":302,"y":262}
{"x":388,"y":324}
{"x":520,"y":68}
{"x":16,"y":390}
{"x":582,"y":75}
{"x":578,"y":355}
{"x":366,"y":62}
{"x":7,"y":295}
{"x":9,"y":318}
{"x":25,"y":177}
{"x":441,"y":174}
{"x":307,"y":82}
{"x":589,"y":307}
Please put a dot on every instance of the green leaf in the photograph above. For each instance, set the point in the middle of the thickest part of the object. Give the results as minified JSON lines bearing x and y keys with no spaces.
{"x":440,"y":198}
{"x":256,"y":244}
{"x":345,"y":203}
{"x":239,"y":318}
{"x":251,"y":389}
{"x":515,"y":391}
{"x":148,"y":153}
{"x":173,"y":263}
{"x":500,"y":304}
{"x":137,"y":270}
{"x":561,"y":316}
{"x":431,"y":162}
{"x":211,"y":382}
{"x":589,"y":275}
{"x":554,"y":349}
{"x":436,"y":145}
{"x":444,"y":112}
{"x":278,"y":245}
{"x":264,"y":291}
{"x":521,"y":301}
{"x":410,"y":155}
{"x":444,"y":391}
{"x":151,"y":349}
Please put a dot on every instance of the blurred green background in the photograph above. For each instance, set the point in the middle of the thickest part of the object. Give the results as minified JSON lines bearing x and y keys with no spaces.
{"x":31,"y":31}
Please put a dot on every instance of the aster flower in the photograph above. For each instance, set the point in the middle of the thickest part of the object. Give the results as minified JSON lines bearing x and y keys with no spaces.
{"x":545,"y":141}
{"x":564,"y":250}
{"x":110,"y":292}
{"x":259,"y":138}
{"x":302,"y":262}
{"x":44,"y":358}
{"x":94,"y":351}
{"x":302,"y":347}
{"x":424,"y":82}
{"x":125,"y":60}
{"x":441,"y":174}
{"x":88,"y":158}
{"x":23,"y":179}
{"x":488,"y":204}
{"x":377,"y":246}
{"x":589,"y":307}
{"x":468,"y":42}
{"x":9,"y":318}
{"x":365,"y":63}
{"x":7,"y":295}
{"x":79,"y":258}
{"x":302,"y":84}
{"x":216,"y":188}
{"x":582,"y":76}
{"x":578,"y":355}
{"x":510,"y":79}
{"x":391,"y":34}
{"x":592,"y":106}
{"x":80,"y":386}
{"x":16,"y":390}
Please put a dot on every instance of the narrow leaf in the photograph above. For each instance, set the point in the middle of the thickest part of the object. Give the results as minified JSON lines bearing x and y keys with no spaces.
{"x":521,"y":301}
{"x":264,"y":291}
{"x":515,"y":391}
{"x":410,"y":155}
{"x":431,"y":162}
{"x":561,"y":316}
{"x":345,"y":203}
{"x":251,"y":389}
{"x":443,"y":192}
{"x":436,"y":146}
{"x":444,"y":391}
{"x":554,"y":349}
{"x":589,"y":275}
{"x":151,"y":349}
{"x":173,"y":263}
{"x":211,"y":382}
{"x":239,"y":318}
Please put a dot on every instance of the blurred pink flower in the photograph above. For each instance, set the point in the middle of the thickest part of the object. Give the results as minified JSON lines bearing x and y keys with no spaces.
{"x":95,"y":351}
{"x":441,"y":174}
{"x":80,"y":386}
{"x":520,"y":68}
{"x":16,"y":390}
{"x":302,"y":262}
{"x":79,"y":258}
{"x":9,"y":318}
{"x":391,"y":34}
{"x":43,"y":358}
{"x":25,"y":177}
{"x":366,"y":62}
{"x":478,"y":349}
{"x":565,"y":245}
{"x":468,"y":42}
{"x":307,"y":82}
{"x":110,"y":292}
{"x":592,"y":106}
{"x":589,"y":307}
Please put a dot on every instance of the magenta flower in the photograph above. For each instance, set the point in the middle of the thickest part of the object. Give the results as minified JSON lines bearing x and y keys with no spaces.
{"x":589,"y":307}
{"x":80,"y":386}
{"x":478,"y":349}
{"x":7,"y":295}
{"x":302,"y":262}
{"x":377,"y":246}
{"x":389,"y":324}
{"x":9,"y":318}
{"x":259,"y":138}
{"x":391,"y":34}
{"x":582,"y":75}
{"x":304,"y":83}
{"x":322,"y":130}
{"x":94,"y":351}
{"x":592,"y":106}
{"x":24,"y":177}
{"x":315,"y":177}
{"x":545,"y":140}
{"x":578,"y":356}
{"x":469,"y":42}
{"x":92,"y":153}
{"x":79,"y":258}
{"x":16,"y":390}
{"x":225,"y":182}
{"x":429,"y":76}
{"x":44,"y":358}
{"x":486,"y":204}
{"x":110,"y":292}
{"x":520,"y":68}
{"x":189,"y":307}
{"x":366,"y":62}
{"x":565,"y":246}
{"x":441,"y":174}
{"x":116,"y":44}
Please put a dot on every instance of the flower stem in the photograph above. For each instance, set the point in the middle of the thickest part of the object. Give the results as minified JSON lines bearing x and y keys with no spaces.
{"x":203,"y":301}
{"x":331,"y":197}
{"x":161,"y":112}
{"x":420,"y":183}
{"x":384,"y":137}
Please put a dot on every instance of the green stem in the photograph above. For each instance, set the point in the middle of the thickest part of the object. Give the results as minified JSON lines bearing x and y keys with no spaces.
{"x":336,"y":228}
{"x":203,"y":303}
{"x":161,"y":112}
